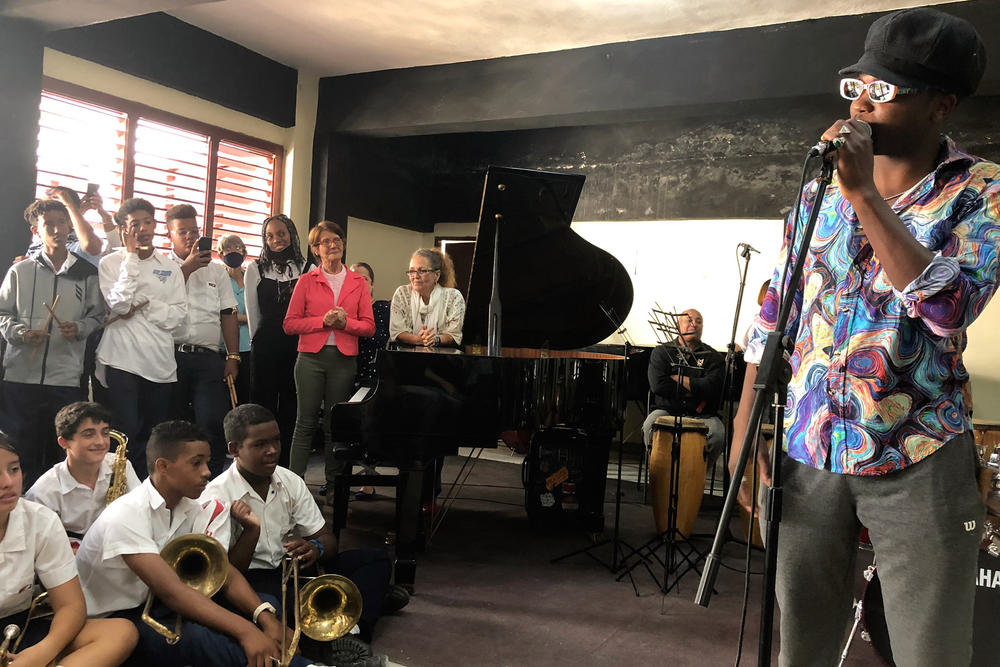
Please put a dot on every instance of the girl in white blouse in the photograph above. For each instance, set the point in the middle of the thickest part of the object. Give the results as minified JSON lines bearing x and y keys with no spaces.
{"x":33,"y":543}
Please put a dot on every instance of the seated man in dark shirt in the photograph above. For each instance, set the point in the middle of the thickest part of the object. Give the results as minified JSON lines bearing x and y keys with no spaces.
{"x":700,"y":371}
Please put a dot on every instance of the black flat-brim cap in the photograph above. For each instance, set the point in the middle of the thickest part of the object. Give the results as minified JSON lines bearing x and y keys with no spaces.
{"x":923,"y":48}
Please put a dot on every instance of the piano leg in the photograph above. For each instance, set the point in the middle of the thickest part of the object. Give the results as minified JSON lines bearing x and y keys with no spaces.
{"x":409,"y":537}
{"x":341,"y":497}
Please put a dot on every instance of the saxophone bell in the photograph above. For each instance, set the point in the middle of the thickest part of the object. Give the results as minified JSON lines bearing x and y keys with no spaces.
{"x":119,"y":481}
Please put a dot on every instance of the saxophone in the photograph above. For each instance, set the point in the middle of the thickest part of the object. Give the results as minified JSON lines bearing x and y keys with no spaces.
{"x":119,"y":483}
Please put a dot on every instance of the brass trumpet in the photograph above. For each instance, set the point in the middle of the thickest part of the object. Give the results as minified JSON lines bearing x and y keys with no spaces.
{"x":201,"y":563}
{"x":325,"y":609}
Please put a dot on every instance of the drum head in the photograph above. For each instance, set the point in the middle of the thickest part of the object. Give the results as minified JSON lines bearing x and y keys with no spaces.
{"x":873,"y":620}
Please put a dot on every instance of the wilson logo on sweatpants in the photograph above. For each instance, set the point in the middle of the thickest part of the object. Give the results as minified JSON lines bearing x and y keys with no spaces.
{"x":969,"y":526}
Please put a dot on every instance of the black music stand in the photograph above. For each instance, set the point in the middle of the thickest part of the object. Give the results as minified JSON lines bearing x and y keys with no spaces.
{"x":618,"y":545}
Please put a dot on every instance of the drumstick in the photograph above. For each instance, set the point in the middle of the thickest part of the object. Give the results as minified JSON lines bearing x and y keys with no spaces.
{"x":232,"y":389}
{"x":115,"y":318}
{"x":52,"y":312}
{"x":45,"y":327}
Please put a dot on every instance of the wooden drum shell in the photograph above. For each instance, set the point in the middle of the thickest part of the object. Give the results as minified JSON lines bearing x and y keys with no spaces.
{"x":691,"y":472}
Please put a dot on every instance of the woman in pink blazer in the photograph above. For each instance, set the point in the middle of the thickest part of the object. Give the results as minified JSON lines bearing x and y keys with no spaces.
{"x":330,"y":308}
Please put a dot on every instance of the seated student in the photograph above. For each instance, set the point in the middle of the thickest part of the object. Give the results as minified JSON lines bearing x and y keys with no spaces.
{"x":120,"y":563}
{"x":76,"y":489}
{"x":273,"y":513}
{"x":32,"y":543}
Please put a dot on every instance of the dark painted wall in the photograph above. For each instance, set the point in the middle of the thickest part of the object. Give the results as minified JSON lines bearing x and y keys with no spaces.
{"x":165,"y":50}
{"x":20,"y":81}
{"x":696,"y":126}
{"x":736,"y":161}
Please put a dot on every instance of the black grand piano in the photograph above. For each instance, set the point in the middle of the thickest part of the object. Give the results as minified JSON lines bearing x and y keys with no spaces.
{"x":545,"y":293}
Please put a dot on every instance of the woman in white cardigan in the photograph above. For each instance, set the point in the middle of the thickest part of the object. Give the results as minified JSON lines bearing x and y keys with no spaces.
{"x":429,"y":311}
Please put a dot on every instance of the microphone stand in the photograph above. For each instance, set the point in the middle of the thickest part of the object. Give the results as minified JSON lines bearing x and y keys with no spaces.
{"x":773,"y":376}
{"x":730,"y":377}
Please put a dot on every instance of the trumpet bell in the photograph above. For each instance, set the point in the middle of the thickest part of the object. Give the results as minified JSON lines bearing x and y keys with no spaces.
{"x":329,"y":606}
{"x":200,"y":562}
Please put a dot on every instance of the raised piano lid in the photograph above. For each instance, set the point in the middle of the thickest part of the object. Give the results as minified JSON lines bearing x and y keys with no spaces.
{"x":553,"y":283}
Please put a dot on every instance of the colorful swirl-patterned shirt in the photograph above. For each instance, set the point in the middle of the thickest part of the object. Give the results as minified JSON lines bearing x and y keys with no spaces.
{"x":877,"y":373}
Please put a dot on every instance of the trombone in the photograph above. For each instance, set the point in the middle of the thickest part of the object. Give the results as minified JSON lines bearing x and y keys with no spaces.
{"x":200,"y":562}
{"x":324,"y":609}
{"x":15,"y":634}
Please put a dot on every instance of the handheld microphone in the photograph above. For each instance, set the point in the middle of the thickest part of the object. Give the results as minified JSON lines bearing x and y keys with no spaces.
{"x":824,"y":148}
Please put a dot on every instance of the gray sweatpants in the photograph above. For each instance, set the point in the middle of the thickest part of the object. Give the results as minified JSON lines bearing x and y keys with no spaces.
{"x":925,"y":523}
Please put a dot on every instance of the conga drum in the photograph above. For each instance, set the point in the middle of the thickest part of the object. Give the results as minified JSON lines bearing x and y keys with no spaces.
{"x":766,"y":438}
{"x":693,"y":434}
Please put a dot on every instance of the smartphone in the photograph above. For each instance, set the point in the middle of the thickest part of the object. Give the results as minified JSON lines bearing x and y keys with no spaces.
{"x":92,"y":188}
{"x":204,"y":244}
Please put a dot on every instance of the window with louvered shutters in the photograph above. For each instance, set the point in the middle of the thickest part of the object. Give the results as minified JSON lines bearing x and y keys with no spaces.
{"x":131,"y":150}
{"x":81,"y":143}
{"x":244,"y":193}
{"x":171,"y":167}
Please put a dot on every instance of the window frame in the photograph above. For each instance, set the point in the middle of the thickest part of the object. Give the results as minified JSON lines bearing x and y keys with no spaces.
{"x":135,"y":110}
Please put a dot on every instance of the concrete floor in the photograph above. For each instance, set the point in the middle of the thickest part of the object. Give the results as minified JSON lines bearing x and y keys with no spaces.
{"x":487,"y":593}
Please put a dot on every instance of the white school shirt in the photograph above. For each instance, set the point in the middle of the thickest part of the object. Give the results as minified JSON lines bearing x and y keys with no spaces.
{"x":76,"y":504}
{"x":209,"y":292}
{"x":142,"y":344}
{"x":288,"y":506}
{"x":66,"y":265}
{"x":35,"y":543}
{"x":138,"y":523}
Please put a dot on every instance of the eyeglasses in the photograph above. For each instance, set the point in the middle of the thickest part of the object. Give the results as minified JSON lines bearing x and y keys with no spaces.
{"x":413,"y":273}
{"x":327,"y":243}
{"x":878,"y":91}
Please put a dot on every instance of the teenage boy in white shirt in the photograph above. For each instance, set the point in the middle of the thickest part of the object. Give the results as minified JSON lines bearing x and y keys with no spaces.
{"x":76,"y":489}
{"x":145,"y":293}
{"x":273,"y":514}
{"x":33,"y":544}
{"x":200,"y":393}
{"x":119,"y":562}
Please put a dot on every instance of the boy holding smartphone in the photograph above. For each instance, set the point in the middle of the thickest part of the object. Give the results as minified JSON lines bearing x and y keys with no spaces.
{"x":201,"y":394}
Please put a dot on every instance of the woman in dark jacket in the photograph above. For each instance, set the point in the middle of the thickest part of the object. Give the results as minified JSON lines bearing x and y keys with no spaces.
{"x":270,"y":282}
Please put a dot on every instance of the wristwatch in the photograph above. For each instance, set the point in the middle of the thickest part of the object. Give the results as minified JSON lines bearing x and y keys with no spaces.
{"x":437,"y":341}
{"x":233,"y":357}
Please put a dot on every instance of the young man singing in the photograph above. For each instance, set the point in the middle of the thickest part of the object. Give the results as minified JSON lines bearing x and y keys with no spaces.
{"x":903,"y":259}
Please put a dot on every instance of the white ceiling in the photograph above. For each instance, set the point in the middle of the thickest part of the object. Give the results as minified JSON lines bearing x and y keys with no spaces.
{"x":332,"y":37}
